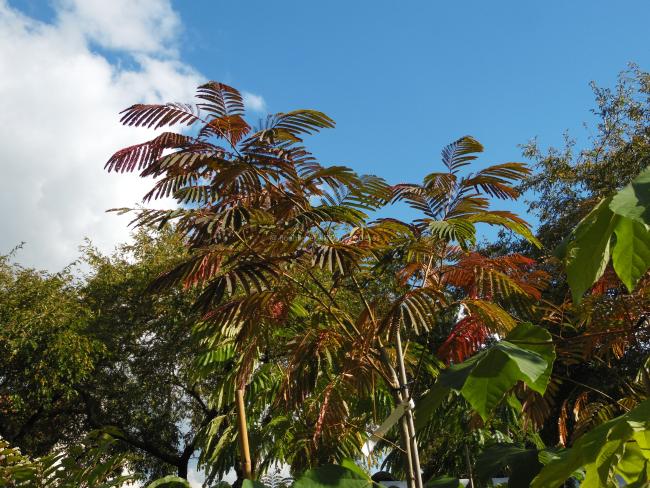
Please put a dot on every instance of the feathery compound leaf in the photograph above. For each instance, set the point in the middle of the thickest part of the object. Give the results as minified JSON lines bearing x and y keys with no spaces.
{"x":157,"y":116}
{"x":459,"y":153}
{"x":302,"y":121}
{"x":220,"y":100}
{"x":143,"y":155}
{"x":497,"y":180}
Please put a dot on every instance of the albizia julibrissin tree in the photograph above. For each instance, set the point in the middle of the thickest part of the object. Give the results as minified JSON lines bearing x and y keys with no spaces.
{"x":304,"y":297}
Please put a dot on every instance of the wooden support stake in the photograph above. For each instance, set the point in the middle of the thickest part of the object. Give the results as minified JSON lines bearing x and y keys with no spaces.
{"x":410,"y":424}
{"x":247,"y":467}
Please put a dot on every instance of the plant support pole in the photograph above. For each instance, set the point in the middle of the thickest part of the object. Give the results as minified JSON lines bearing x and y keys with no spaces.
{"x":247,"y":467}
{"x":408,"y":415}
{"x":403,"y":426}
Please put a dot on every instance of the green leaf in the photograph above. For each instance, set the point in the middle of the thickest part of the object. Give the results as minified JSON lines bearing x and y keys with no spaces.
{"x":253,"y":484}
{"x":443,"y":482}
{"x":523,"y":463}
{"x":633,"y":201}
{"x":170,"y":481}
{"x":352,"y":466}
{"x":586,"y":250}
{"x":526,"y":354}
{"x":538,"y":340}
{"x":602,"y":450}
{"x":330,"y":476}
{"x":631,"y":254}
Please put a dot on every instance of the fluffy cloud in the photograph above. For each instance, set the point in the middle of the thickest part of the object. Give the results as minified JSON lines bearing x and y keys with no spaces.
{"x":60,"y":105}
{"x":254,"y":103}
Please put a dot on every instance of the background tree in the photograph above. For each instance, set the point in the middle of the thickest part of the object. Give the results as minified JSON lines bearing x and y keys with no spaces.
{"x":99,"y":352}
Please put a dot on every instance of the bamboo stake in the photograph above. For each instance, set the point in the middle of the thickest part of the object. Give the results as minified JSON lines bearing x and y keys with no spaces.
{"x":469,"y":467}
{"x":247,"y":467}
{"x":413,"y":443}
{"x":403,"y":425}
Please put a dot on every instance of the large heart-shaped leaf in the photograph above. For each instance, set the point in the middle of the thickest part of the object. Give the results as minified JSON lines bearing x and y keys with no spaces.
{"x":170,"y":481}
{"x":526,"y":354}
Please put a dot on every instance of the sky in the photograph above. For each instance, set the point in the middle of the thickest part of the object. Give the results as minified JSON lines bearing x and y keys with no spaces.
{"x":402,"y":79}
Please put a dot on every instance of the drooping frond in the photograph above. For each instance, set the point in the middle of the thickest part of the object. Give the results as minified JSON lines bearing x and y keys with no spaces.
{"x":140,"y":156}
{"x":496,"y":181}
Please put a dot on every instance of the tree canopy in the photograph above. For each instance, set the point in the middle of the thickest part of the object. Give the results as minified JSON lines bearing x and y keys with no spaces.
{"x":274,"y":274}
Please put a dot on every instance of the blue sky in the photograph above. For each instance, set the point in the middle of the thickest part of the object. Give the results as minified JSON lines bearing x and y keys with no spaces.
{"x":404,"y":78}
{"x":401,"y":79}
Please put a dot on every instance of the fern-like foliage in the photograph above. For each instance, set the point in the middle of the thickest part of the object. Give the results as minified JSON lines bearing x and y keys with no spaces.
{"x":302,"y":293}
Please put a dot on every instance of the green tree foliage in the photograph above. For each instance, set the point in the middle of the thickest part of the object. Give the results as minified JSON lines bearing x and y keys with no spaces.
{"x":567,"y":182}
{"x":45,"y":352}
{"x":90,"y":463}
{"x":101,"y":352}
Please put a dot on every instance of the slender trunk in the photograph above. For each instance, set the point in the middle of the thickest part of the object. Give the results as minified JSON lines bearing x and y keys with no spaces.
{"x":413,"y":443}
{"x":469,"y":467}
{"x":403,"y":424}
{"x":247,"y":467}
{"x":404,"y":435}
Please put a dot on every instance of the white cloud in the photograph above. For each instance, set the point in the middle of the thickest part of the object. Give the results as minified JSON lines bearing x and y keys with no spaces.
{"x":148,"y":26}
{"x":60,"y":103}
{"x":254,"y":103}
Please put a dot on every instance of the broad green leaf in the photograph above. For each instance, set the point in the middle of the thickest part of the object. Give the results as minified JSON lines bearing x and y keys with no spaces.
{"x":523,"y":464}
{"x":170,"y":481}
{"x":429,"y":403}
{"x":488,"y":382}
{"x":633,"y":201}
{"x":443,"y":482}
{"x":634,"y":457}
{"x":352,"y":466}
{"x":631,"y":254}
{"x":601,"y":450}
{"x":526,"y":354}
{"x":538,"y":340}
{"x":586,"y":251}
{"x":332,"y":476}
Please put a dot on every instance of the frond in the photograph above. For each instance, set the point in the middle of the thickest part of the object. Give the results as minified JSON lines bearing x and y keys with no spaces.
{"x":142,"y":155}
{"x":495,"y":318}
{"x":232,"y":128}
{"x":458,"y":230}
{"x":460,"y":152}
{"x":336,"y":257}
{"x":220,"y":100}
{"x":507,"y":220}
{"x":247,"y":276}
{"x":466,"y":337}
{"x":496,"y":181}
{"x":157,"y":116}
{"x":416,"y":310}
